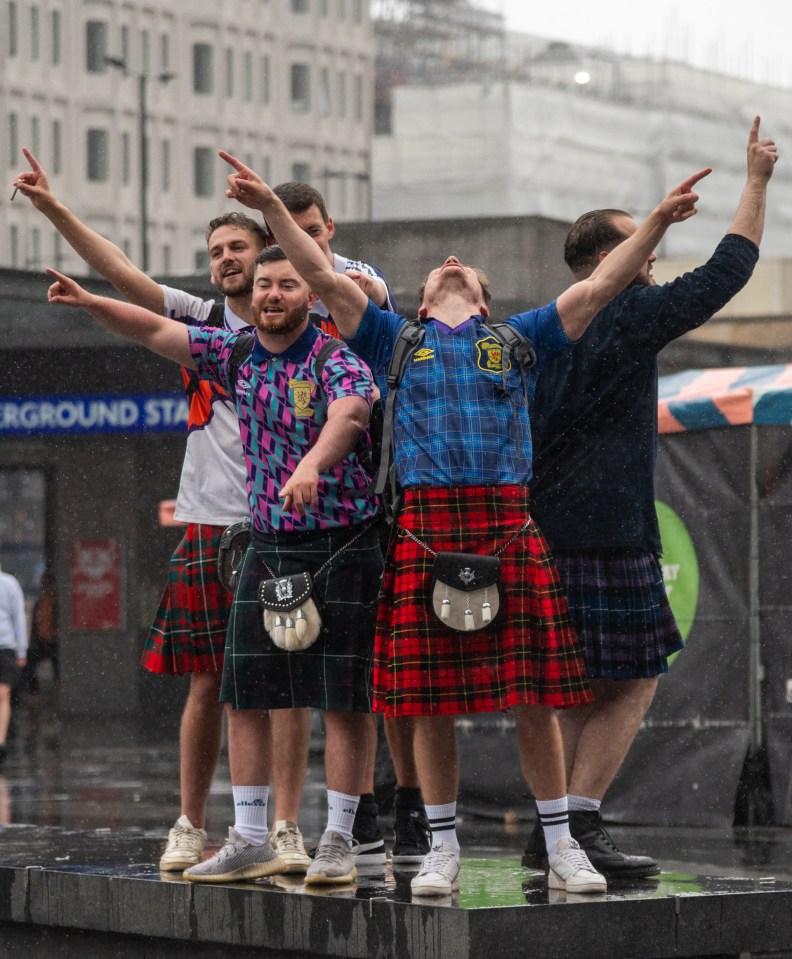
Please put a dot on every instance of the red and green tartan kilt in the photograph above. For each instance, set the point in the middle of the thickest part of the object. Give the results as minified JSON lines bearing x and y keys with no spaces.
{"x":528,"y":655}
{"x":189,"y":629}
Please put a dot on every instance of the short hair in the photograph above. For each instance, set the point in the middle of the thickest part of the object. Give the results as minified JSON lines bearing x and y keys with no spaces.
{"x":240,"y":221}
{"x":271,"y":254}
{"x":298,"y":197}
{"x":591,"y":234}
{"x":483,"y":282}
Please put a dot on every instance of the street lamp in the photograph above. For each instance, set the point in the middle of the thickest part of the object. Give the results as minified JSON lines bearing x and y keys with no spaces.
{"x":142,"y":79}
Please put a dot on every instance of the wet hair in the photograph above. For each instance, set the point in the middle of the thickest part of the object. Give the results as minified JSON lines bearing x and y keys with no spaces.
{"x":483,"y":282}
{"x":271,"y":254}
{"x":240,"y":221}
{"x":591,"y":234}
{"x":298,"y":197}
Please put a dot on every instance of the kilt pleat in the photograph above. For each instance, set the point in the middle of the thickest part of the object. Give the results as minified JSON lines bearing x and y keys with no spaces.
{"x":528,"y":656}
{"x":189,"y":628}
{"x":334,"y":673}
{"x":620,"y":608}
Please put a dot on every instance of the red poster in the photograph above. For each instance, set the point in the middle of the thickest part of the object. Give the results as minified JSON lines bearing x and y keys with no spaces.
{"x":96,"y":584}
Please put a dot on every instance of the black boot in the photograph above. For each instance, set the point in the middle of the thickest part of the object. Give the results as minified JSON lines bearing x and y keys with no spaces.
{"x":535,"y":855}
{"x":411,"y":833}
{"x":605,"y":856}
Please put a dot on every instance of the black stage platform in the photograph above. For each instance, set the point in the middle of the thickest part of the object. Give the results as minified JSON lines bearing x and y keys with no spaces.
{"x":97,"y":893}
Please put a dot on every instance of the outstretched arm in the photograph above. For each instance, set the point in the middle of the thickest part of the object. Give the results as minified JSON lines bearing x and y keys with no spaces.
{"x":157,"y":333}
{"x":340,"y":294}
{"x":346,"y":419}
{"x":578,"y":305}
{"x":100,"y":254}
{"x":750,"y":216}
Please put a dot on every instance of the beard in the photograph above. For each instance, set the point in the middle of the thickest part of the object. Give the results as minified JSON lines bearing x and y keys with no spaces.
{"x":285,"y":324}
{"x":238,"y":284}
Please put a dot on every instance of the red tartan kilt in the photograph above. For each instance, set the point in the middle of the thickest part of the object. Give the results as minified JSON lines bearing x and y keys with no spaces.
{"x":529,"y":655}
{"x":189,"y":628}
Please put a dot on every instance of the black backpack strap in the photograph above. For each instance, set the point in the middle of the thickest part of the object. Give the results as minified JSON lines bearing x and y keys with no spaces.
{"x":408,"y":339}
{"x":322,"y":357}
{"x":239,"y":353}
{"x":515,"y":345}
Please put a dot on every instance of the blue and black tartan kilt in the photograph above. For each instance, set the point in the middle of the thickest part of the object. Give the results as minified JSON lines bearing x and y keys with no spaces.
{"x":620,"y":609}
{"x":333,"y":674}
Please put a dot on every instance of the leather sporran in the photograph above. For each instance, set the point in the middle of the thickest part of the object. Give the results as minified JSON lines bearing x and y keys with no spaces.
{"x":290,"y":614}
{"x":466,"y":592}
{"x":233,"y":546}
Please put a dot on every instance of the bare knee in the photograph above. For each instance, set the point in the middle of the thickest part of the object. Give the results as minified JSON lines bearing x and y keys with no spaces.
{"x":204,"y":692}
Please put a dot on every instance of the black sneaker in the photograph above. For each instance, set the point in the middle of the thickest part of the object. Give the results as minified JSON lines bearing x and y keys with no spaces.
{"x":412,"y":837}
{"x":586,"y":826}
{"x":370,"y":849}
{"x":535,"y":855}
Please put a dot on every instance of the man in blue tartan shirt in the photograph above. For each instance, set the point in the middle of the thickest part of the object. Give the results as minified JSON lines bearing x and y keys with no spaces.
{"x":525,"y":672}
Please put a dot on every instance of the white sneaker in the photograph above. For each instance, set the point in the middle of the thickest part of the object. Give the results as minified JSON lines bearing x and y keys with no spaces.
{"x":439,"y":874}
{"x":569,"y":868}
{"x":287,"y":841}
{"x":185,"y":847}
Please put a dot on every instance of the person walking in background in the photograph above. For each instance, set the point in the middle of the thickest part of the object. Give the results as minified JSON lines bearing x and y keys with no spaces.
{"x":13,"y":647}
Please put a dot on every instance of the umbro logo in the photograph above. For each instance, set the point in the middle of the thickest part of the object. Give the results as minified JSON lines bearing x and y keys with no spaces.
{"x":425,"y":353}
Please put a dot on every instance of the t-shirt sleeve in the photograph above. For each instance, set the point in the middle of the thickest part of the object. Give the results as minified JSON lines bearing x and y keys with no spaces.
{"x":345,"y":374}
{"x":375,"y":336}
{"x":543,"y":328}
{"x":653,"y":316}
{"x":184,"y":307}
{"x":211,"y":351}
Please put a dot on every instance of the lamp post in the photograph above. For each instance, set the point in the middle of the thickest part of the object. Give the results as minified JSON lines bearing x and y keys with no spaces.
{"x":142,"y":79}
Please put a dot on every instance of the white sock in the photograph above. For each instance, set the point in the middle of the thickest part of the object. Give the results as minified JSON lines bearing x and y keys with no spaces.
{"x":583,"y":804}
{"x":554,"y":816}
{"x":442,"y":822}
{"x":250,"y":812}
{"x":341,"y":810}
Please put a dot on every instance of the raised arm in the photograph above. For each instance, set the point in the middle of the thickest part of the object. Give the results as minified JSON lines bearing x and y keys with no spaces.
{"x":750,"y":216}
{"x":100,"y":254}
{"x":578,"y":305}
{"x":156,"y":332}
{"x":340,"y":294}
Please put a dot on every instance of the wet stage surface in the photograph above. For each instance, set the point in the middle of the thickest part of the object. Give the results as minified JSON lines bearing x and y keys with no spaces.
{"x":84,"y":819}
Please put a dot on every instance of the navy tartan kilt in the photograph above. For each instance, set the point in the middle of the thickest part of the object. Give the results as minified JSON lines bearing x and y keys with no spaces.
{"x":333,"y":674}
{"x":620,"y":608}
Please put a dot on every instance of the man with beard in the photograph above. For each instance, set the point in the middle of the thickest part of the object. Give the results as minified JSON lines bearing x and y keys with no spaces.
{"x":462,"y":452}
{"x":595,"y":435}
{"x":311,"y":512}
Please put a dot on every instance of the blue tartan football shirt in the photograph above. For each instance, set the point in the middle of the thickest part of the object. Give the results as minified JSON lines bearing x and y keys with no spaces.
{"x":454,"y":424}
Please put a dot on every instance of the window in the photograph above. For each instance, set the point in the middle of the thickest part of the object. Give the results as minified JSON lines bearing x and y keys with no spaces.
{"x":56,"y":36}
{"x":300,"y":87}
{"x":247,"y":76}
{"x":146,"y":51}
{"x":126,"y":158}
{"x":201,"y":260}
{"x":13,"y":139}
{"x":166,"y":259}
{"x":35,"y":136}
{"x":203,"y":169}
{"x":95,"y":46}
{"x":57,"y":247}
{"x":34,"y":33}
{"x":342,"y":94}
{"x":165,"y":165}
{"x":299,"y":6}
{"x":34,"y":260}
{"x":14,"y":240}
{"x":324,"y":7}
{"x":229,"y":72}
{"x":301,"y":171}
{"x":357,"y":10}
{"x":341,"y":9}
{"x":13,"y":30}
{"x":358,"y":98}
{"x":264,"y":80}
{"x":164,"y":53}
{"x":98,"y":166}
{"x":324,"y":92}
{"x":125,"y":43}
{"x":202,"y":68}
{"x":57,"y":146}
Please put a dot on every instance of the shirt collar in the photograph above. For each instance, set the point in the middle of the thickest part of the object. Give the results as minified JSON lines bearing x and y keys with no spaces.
{"x":298,"y":351}
{"x":449,"y":330}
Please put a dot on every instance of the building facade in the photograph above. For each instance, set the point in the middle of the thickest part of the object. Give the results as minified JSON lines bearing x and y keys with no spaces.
{"x":286,"y":85}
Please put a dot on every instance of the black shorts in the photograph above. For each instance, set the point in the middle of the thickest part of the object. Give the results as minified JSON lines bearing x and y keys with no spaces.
{"x":8,"y":667}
